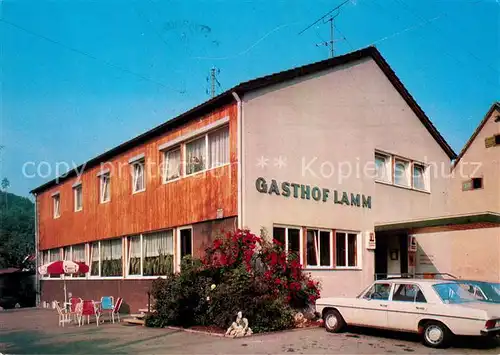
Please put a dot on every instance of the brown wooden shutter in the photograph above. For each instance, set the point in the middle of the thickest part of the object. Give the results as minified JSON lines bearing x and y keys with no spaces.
{"x":489,"y":142}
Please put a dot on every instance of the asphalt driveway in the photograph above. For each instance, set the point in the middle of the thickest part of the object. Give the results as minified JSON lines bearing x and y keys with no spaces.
{"x":32,"y":331}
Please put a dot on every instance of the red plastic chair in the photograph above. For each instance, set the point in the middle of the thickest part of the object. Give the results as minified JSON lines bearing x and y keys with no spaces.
{"x":90,"y":308}
{"x":74,"y":301}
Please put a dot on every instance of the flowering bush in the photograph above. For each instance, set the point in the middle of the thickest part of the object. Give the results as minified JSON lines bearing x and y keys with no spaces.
{"x":239,"y":272}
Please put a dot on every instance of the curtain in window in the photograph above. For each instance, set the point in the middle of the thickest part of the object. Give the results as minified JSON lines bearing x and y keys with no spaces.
{"x":78,"y":253}
{"x":172,"y":164}
{"x":381,"y":168}
{"x":45,"y":257}
{"x":54,"y":255}
{"x":138,"y":176}
{"x":94,"y":257}
{"x":195,"y":156}
{"x":418,"y":177}
{"x":312,"y":248}
{"x":111,"y":257}
{"x":67,"y":253}
{"x":400,"y":173}
{"x":134,"y":255}
{"x":219,"y":147}
{"x":158,"y":251}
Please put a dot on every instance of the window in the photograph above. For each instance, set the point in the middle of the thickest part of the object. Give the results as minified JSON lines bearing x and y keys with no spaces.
{"x":290,"y":238}
{"x":186,"y":242}
{"x":196,"y":154}
{"x":172,"y":165}
{"x":219,"y":147}
{"x":472,"y":184}
{"x":67,"y":253}
{"x":95,"y":265}
{"x":45,"y":257}
{"x":77,"y":194}
{"x":419,"y":177}
{"x":78,"y":255}
{"x":383,"y":167}
{"x":138,"y":176}
{"x":346,"y":246}
{"x":379,"y":291}
{"x":111,"y":257}
{"x":134,"y":255}
{"x":158,"y":251}
{"x":319,"y":248}
{"x":56,"y":202}
{"x":105,"y":192}
{"x":497,"y":139}
{"x":408,"y":293}
{"x":54,"y":254}
{"x":401,"y":172}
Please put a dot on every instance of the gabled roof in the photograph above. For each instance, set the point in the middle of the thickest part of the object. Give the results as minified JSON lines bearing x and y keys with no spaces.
{"x":259,"y":83}
{"x":495,"y":106}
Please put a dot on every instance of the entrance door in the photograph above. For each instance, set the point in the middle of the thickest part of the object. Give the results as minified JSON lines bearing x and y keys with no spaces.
{"x":381,"y":257}
{"x":184,"y":243}
{"x":403,"y":251}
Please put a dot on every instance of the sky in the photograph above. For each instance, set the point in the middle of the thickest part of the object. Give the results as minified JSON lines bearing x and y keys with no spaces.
{"x":80,"y":77}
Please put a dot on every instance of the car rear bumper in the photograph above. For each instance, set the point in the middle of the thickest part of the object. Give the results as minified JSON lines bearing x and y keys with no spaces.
{"x":491,"y":332}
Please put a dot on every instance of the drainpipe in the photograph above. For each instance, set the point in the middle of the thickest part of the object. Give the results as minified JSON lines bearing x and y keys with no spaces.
{"x":240,"y":157}
{"x":37,"y":254}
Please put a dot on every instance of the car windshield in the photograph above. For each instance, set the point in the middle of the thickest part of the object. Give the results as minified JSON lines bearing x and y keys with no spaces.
{"x":453,"y":292}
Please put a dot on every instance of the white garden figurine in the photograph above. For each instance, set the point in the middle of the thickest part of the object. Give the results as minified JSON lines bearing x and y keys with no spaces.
{"x":239,"y":328}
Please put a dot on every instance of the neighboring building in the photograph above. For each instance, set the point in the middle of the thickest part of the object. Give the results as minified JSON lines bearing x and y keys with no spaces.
{"x":272,"y":153}
{"x":473,"y":252}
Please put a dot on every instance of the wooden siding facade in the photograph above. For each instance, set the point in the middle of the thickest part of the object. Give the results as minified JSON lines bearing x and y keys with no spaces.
{"x":188,"y":200}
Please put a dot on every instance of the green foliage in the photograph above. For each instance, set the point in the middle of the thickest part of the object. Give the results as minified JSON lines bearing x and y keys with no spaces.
{"x":240,"y":272}
{"x":17,"y":229}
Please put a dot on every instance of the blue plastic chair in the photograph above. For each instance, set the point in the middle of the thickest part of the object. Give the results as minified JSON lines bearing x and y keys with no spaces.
{"x":107,"y":303}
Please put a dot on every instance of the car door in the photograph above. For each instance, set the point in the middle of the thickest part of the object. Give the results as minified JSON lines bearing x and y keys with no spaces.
{"x":373,"y":305}
{"x":406,"y":305}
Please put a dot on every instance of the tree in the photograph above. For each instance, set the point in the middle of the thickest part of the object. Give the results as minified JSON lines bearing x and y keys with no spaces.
{"x":5,"y":184}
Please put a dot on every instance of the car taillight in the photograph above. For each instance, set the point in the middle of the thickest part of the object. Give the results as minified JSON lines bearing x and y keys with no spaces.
{"x":490,"y":324}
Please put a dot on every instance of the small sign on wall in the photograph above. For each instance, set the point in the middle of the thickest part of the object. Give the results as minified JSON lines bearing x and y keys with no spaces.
{"x":412,"y":243}
{"x":371,"y":242}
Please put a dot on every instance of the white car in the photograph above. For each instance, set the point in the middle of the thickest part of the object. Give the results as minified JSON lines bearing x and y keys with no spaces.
{"x":436,"y":309}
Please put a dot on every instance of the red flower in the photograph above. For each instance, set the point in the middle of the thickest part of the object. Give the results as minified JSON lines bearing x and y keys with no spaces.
{"x":217,"y":243}
{"x":277,"y":281}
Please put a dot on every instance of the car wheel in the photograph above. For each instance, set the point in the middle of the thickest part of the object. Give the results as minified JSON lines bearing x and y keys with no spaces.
{"x":436,"y":335}
{"x":333,"y":320}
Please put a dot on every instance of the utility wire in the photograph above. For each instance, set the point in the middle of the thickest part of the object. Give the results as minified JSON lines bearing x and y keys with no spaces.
{"x":324,"y":16}
{"x":85,"y":54}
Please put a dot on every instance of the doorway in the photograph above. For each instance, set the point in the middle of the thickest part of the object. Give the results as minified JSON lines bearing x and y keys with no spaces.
{"x":391,"y":255}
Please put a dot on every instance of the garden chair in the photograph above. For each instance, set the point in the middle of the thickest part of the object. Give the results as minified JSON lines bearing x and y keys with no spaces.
{"x":63,"y":315}
{"x":89,"y":308}
{"x":107,"y":303}
{"x":74,"y":301}
{"x":116,"y":310}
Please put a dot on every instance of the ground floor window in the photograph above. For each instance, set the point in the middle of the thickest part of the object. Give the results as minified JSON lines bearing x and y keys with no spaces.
{"x":346,"y":249}
{"x":290,"y":238}
{"x":111,"y":258}
{"x":95,"y":267}
{"x":319,"y":247}
{"x":158,"y":253}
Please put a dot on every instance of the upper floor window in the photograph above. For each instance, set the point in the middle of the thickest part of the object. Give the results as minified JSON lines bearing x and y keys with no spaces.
{"x":419,"y":177}
{"x":209,"y":151}
{"x":196,"y":155}
{"x":472,"y":184}
{"x":383,"y":167}
{"x":172,"y":165}
{"x":105,"y":192}
{"x":77,"y":193}
{"x":138,"y":176}
{"x":401,"y":172}
{"x":56,"y":205}
{"x":219,"y":147}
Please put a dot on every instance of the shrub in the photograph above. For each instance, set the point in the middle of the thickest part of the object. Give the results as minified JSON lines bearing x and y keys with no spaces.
{"x":240,"y":272}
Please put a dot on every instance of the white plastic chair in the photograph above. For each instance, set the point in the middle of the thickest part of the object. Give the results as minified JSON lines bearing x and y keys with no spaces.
{"x":63,"y":315}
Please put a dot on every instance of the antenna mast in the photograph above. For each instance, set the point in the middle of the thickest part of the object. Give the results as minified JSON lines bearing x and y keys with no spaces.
{"x":214,"y":82}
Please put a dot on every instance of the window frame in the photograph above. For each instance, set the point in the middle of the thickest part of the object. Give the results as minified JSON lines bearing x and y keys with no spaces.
{"x":408,"y":171}
{"x":102,"y":177}
{"x":56,"y":211}
{"x":357,"y":250}
{"x":332,"y":250}
{"x":77,"y":189}
{"x":471,"y":182}
{"x":301,"y":239}
{"x":100,"y":260}
{"x":208,"y":159}
{"x":141,"y":162}
{"x":425,"y":176}
{"x":165,"y":153}
{"x":388,"y":162}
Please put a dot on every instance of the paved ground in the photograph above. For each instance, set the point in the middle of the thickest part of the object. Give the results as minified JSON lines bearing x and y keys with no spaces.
{"x":35,"y":331}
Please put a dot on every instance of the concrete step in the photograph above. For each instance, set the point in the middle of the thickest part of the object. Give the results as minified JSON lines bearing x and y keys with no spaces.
{"x":133,"y":321}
